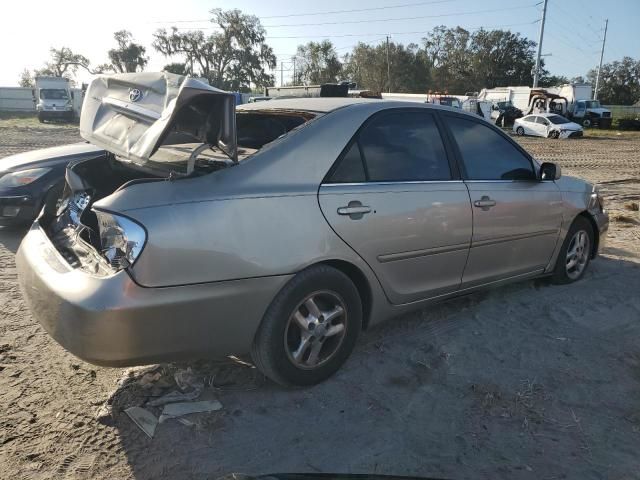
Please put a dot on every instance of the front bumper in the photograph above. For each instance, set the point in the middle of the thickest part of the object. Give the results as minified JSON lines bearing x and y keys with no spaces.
{"x":51,"y":114}
{"x":602,"y":222}
{"x":18,"y":209}
{"x":112,"y":321}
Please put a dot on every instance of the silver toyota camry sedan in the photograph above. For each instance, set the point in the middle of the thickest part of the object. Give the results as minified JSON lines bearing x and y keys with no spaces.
{"x":194,"y":228}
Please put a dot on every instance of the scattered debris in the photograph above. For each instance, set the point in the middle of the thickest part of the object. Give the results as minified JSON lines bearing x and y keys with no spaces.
{"x":633,"y":206}
{"x":186,"y":380}
{"x":173,"y":397}
{"x":622,"y":218}
{"x":144,"y":419}
{"x":148,"y":379}
{"x":173,"y":410}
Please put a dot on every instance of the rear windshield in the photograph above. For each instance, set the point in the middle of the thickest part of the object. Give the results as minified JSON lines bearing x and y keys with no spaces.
{"x":255,"y":129}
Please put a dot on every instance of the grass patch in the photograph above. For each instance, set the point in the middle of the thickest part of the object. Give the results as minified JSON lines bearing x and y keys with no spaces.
{"x":28,"y":120}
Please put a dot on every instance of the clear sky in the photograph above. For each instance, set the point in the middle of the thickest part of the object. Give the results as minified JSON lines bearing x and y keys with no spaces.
{"x":572,"y":37}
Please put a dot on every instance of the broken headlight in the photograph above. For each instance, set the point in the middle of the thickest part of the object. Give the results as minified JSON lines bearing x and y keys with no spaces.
{"x":121,"y":239}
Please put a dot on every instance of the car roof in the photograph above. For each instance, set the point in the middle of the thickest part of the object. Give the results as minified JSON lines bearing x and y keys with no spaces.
{"x":328,"y":104}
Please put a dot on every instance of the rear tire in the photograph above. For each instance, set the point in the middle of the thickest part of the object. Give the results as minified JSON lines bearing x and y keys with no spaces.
{"x":520,"y":131}
{"x":292,"y":355}
{"x":575,"y":254}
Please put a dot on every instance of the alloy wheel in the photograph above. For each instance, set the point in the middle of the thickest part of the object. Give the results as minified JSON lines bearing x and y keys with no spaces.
{"x":577,"y":254}
{"x":316,"y":329}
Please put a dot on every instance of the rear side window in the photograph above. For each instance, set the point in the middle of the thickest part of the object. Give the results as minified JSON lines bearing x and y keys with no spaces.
{"x":542,"y":121}
{"x":350,"y":169}
{"x":486,"y":154}
{"x":404,"y":147}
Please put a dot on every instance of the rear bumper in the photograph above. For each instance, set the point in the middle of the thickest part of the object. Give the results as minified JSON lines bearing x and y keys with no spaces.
{"x":18,"y":209}
{"x":112,"y":321}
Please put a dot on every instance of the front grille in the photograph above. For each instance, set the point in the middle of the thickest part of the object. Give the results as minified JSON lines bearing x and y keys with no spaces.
{"x":575,"y":134}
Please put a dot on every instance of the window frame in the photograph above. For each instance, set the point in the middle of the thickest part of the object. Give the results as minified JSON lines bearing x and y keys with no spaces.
{"x":458,"y":155}
{"x":449,"y":152}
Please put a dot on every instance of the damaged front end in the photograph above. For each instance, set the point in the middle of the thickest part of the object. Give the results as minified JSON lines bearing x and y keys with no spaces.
{"x":133,"y":117}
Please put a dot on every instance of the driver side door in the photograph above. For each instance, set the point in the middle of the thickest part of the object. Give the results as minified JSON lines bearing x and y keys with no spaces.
{"x":516,"y":216}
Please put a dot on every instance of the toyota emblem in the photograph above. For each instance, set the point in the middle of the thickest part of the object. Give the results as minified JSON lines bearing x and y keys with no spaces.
{"x":135,"y":94}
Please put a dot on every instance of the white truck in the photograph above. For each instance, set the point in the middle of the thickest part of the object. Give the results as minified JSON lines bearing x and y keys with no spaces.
{"x":570,"y":100}
{"x":53,"y":98}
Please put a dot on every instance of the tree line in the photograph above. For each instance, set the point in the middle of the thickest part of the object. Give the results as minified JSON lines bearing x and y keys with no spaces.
{"x":236,"y":57}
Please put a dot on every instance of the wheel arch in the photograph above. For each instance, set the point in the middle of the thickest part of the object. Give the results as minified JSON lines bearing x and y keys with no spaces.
{"x":596,"y":232}
{"x":360,"y":281}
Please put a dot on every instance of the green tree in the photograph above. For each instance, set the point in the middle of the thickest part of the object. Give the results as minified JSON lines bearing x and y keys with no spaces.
{"x":231,"y":58}
{"x":408,"y":67}
{"x":63,"y":63}
{"x":501,"y":58}
{"x":619,"y":82}
{"x":26,"y":79}
{"x":177,"y":68}
{"x":317,"y":63}
{"x":553,"y":80}
{"x":448,"y":51}
{"x":128,"y":56}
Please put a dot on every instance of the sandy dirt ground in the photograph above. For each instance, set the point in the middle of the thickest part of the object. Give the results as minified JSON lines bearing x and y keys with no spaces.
{"x":529,"y":381}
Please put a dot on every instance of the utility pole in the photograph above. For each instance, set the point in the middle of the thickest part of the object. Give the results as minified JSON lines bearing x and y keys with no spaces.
{"x":536,"y":73}
{"x":294,"y":71}
{"x":282,"y":74}
{"x":604,"y":39}
{"x":388,"y":68}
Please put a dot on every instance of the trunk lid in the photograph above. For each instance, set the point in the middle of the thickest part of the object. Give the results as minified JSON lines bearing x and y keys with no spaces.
{"x":132,"y":114}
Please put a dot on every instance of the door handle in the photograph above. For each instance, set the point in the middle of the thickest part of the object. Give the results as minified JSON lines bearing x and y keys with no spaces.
{"x":485,"y":203}
{"x":355,"y":210}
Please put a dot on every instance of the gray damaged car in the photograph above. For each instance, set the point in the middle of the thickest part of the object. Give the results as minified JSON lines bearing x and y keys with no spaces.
{"x":284,"y":228}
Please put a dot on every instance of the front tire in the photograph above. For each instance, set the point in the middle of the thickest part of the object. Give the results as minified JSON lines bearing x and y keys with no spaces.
{"x":575,"y":254}
{"x":586,"y":123}
{"x":310,"y":328}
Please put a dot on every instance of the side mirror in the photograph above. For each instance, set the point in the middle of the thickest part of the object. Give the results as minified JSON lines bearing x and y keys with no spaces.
{"x":550,"y":171}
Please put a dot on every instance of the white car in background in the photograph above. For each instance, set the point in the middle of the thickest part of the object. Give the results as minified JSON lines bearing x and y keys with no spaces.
{"x":549,"y":125}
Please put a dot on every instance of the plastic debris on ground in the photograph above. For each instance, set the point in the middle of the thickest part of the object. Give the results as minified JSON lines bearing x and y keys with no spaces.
{"x":144,"y":419}
{"x":174,"y":410}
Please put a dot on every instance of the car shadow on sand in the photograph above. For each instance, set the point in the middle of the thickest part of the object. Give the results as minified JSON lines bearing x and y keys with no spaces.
{"x":528,"y":380}
{"x":10,"y":237}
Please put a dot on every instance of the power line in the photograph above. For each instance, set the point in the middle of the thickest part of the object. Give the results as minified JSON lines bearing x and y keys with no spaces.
{"x":329,"y":12}
{"x":346,"y":22}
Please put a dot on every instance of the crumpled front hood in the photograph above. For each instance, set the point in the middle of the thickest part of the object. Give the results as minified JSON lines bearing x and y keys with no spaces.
{"x":131,"y":114}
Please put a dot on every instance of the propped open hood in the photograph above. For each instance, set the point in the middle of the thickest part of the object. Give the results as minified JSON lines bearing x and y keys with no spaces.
{"x":131,"y":114}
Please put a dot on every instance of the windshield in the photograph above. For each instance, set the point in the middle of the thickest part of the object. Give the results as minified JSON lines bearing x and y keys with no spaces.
{"x":592,"y":104}
{"x":557,"y":119}
{"x":53,"y":94}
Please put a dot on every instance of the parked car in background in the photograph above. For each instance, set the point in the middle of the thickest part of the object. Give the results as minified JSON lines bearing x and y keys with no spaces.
{"x":288,"y":226}
{"x":548,"y":125}
{"x":28,"y":179}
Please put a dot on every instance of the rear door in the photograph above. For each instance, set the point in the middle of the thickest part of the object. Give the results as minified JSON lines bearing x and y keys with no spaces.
{"x":516,"y":217}
{"x":395,"y":199}
{"x":529,"y":125}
